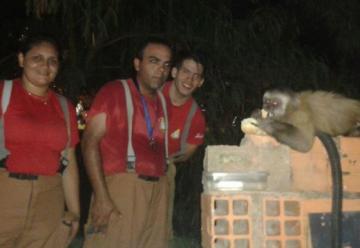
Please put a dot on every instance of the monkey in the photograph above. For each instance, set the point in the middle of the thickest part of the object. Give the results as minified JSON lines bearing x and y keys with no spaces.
{"x":294,"y":119}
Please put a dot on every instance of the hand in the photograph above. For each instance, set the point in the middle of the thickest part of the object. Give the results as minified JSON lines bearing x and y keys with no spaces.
{"x":271,"y":126}
{"x":71,"y":220}
{"x":73,"y":231}
{"x":100,"y":214}
{"x":178,"y":158}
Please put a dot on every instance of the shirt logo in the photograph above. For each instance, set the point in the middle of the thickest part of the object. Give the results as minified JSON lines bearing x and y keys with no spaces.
{"x":175,"y":134}
{"x":199,"y":136}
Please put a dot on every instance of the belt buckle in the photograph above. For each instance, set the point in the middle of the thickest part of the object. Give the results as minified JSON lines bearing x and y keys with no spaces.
{"x":130,"y":166}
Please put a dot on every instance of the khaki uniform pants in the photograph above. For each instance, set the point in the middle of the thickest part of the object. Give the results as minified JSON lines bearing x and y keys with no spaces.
{"x":143,"y":208}
{"x":171,"y":174}
{"x":30,"y":210}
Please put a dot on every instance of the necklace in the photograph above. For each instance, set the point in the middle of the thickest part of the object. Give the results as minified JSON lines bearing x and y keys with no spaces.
{"x":44,"y":99}
{"x":43,"y":93}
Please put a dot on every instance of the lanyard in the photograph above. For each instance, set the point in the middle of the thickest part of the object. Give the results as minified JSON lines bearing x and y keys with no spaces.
{"x":149,"y":127}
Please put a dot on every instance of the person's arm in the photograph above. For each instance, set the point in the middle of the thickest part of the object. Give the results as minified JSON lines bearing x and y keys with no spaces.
{"x":189,"y":151}
{"x":102,"y":204}
{"x":70,"y":180}
{"x":194,"y":140}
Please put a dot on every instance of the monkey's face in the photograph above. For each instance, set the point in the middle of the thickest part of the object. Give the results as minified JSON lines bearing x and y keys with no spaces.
{"x":274,"y":103}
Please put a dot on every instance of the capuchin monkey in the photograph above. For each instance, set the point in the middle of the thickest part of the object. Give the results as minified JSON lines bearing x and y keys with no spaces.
{"x":294,"y":119}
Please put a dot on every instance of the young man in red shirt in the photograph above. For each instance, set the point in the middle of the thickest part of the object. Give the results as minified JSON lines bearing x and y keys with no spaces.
{"x":186,"y":121}
{"x":129,"y":204}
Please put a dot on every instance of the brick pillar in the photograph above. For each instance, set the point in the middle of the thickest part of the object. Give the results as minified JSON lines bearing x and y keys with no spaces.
{"x":277,"y":213}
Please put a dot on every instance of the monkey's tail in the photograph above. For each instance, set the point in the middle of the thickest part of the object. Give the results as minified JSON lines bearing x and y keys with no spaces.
{"x":337,"y":189}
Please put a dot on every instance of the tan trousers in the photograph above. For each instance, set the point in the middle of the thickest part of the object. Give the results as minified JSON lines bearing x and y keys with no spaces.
{"x":171,"y":174}
{"x":143,"y":205}
{"x":30,"y":210}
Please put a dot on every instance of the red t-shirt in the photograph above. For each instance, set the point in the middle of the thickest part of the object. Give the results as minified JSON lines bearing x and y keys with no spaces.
{"x":35,"y":131}
{"x":177,"y":119}
{"x":113,"y":146}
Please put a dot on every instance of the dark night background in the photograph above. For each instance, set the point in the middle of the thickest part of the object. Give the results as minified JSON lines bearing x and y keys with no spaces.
{"x":250,"y":45}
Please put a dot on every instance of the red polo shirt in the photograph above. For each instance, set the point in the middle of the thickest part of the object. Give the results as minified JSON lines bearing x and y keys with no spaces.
{"x":35,"y":131}
{"x":177,"y":119}
{"x":150,"y":161}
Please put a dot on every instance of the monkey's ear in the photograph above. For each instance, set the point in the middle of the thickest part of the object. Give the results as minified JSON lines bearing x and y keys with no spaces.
{"x":174,"y":72}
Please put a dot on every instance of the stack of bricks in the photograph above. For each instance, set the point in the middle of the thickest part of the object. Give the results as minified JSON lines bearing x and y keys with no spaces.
{"x":228,"y":214}
{"x":276,"y":217}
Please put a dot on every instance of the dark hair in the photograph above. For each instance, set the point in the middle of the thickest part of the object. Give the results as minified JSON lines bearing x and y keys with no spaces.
{"x":151,"y":40}
{"x":197,"y":56}
{"x":28,"y":43}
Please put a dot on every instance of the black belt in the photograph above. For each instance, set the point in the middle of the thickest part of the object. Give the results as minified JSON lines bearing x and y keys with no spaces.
{"x":149,"y":178}
{"x":23,"y":176}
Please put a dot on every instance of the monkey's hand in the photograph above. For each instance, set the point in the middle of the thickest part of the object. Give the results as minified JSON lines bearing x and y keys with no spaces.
{"x":250,"y":126}
{"x":274,"y":127}
{"x":267,"y":125}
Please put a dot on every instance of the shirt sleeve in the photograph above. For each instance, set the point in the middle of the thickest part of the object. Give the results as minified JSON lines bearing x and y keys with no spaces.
{"x":105,"y":99}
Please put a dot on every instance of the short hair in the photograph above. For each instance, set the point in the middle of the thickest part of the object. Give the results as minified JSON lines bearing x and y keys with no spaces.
{"x":151,"y":40}
{"x":196,"y":55}
{"x":31,"y":41}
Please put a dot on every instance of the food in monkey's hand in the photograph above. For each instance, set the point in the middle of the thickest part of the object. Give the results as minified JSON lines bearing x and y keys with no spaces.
{"x":264,"y":113}
{"x":249,"y":126}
